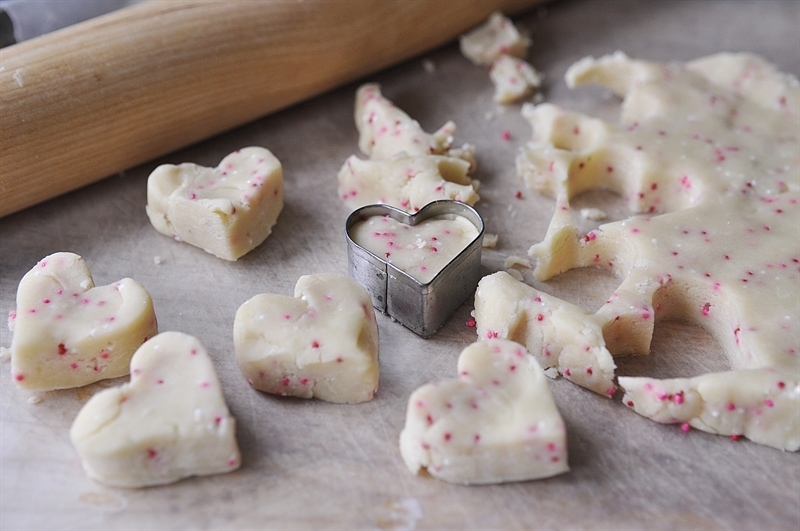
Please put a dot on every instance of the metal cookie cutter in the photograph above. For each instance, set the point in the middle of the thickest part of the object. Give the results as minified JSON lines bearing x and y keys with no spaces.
{"x":422,"y":307}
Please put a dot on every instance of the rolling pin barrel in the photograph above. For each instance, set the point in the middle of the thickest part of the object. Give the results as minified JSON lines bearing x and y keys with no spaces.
{"x":113,"y":92}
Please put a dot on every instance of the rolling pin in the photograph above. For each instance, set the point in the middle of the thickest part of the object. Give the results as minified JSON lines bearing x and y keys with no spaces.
{"x":96,"y":98}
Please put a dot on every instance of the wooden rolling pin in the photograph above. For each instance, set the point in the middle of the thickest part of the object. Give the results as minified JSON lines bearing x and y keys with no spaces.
{"x":110,"y":93}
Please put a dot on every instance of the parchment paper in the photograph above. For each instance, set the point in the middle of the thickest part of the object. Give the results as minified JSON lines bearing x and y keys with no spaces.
{"x":312,"y":465}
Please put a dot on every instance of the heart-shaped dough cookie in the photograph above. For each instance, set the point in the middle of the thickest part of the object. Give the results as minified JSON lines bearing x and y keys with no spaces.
{"x":497,"y":422}
{"x":69,"y":333}
{"x":321,"y":343}
{"x":170,"y":422}
{"x":227,"y":211}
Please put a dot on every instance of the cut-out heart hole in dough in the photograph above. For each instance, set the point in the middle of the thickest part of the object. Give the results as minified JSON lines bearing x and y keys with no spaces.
{"x":170,"y":422}
{"x":69,"y":333}
{"x":419,"y":267}
{"x":227,"y":211}
{"x":322,"y":343}
{"x":497,"y":422}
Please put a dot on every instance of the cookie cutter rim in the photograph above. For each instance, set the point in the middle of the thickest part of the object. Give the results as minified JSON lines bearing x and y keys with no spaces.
{"x":421,"y":307}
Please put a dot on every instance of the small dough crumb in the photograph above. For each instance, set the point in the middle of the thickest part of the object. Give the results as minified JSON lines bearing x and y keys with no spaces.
{"x":513,"y":79}
{"x":495,"y":37}
{"x":490,"y":240}
{"x":516,"y":273}
{"x":593,"y":214}
{"x":517,"y":261}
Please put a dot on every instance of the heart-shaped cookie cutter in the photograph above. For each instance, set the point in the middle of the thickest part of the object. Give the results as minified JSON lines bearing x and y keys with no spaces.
{"x":421,"y":307}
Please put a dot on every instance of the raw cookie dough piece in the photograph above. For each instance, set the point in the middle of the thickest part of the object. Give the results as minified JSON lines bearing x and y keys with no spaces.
{"x":497,"y":422}
{"x":227,"y":211}
{"x":408,"y":183}
{"x":408,"y":168}
{"x":170,"y":422}
{"x":708,"y":153}
{"x":421,"y":250}
{"x":495,"y":37}
{"x":559,"y":334}
{"x":322,"y":343}
{"x":69,"y":333}
{"x":513,"y":79}
{"x":385,"y":131}
{"x":760,"y":404}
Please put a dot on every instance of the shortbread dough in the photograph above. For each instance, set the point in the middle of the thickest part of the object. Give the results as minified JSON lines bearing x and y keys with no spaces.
{"x":707,"y":155}
{"x":496,"y":37}
{"x":496,"y":423}
{"x":407,"y":167}
{"x":322,"y":343}
{"x":69,"y":333}
{"x":170,"y":422}
{"x":421,"y":250}
{"x":227,"y":211}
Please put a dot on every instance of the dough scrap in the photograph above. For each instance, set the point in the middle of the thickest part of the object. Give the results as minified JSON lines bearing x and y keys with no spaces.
{"x":227,"y":211}
{"x":168,"y":423}
{"x":513,"y":79}
{"x":496,"y":37}
{"x":407,"y":167}
{"x":322,"y":343}
{"x":496,"y":423}
{"x":706,"y":156}
{"x":558,"y":334}
{"x":69,"y":333}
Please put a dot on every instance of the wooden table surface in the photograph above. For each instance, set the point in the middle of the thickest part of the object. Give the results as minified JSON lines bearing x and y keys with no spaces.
{"x":313,"y":465}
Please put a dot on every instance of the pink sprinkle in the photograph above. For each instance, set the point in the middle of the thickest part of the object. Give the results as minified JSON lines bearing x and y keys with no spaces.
{"x":19,"y":377}
{"x":769,"y":403}
{"x":731,"y":406}
{"x":506,"y":135}
{"x":448,"y":436}
{"x":678,"y":398}
{"x":491,"y":334}
{"x":551,"y":447}
{"x":567,"y":372}
{"x":706,"y":309}
{"x":471,"y":322}
{"x":152,"y":453}
{"x":205,"y":385}
{"x":315,"y":344}
{"x":540,"y":317}
{"x":285,"y":382}
{"x":685,"y":427}
{"x":518,"y":195}
{"x":62,"y":349}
